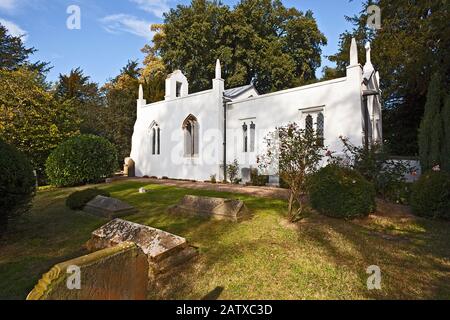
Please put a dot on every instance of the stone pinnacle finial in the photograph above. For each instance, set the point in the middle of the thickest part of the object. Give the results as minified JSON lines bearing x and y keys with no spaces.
{"x":353,"y":53}
{"x":141,"y":92}
{"x":368,"y":53}
{"x":218,"y":70}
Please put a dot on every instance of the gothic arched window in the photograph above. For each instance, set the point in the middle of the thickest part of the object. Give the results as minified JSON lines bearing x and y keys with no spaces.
{"x":155,"y":132}
{"x":320,"y":128}
{"x":191,"y":136}
{"x":252,"y":137}
{"x":245,"y":136}
{"x":309,"y":124}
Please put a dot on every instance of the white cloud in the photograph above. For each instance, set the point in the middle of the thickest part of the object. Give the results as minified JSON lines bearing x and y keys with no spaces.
{"x":14,"y":29}
{"x":119,"y":23}
{"x":8,"y":4}
{"x":157,"y":7}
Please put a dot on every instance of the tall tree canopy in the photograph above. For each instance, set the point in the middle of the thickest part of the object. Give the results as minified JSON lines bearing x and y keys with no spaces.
{"x":435,"y":128}
{"x":119,"y":115}
{"x":258,"y":40}
{"x":14,"y":54}
{"x":30,"y":118}
{"x":410,"y":47}
{"x":77,"y":89}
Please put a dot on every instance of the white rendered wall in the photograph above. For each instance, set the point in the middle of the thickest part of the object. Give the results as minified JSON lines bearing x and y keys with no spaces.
{"x":170,"y":115}
{"x":340,"y":100}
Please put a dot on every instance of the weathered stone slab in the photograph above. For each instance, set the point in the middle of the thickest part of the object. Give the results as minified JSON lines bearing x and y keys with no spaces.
{"x":217,"y":208}
{"x":117,"y":273}
{"x":164,"y":250}
{"x":108,"y":207}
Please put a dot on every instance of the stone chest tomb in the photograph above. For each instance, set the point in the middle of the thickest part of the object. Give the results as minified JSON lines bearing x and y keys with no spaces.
{"x":163,"y":250}
{"x":216,"y":208}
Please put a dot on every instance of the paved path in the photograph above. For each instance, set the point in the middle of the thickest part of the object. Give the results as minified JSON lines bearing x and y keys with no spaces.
{"x":265,"y":192}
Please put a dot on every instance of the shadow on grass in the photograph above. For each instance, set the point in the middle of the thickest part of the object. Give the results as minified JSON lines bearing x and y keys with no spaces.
{"x":413,"y":255}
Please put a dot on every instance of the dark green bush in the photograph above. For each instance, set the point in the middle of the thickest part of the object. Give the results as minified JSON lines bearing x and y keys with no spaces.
{"x":17,"y":183}
{"x":341,"y":193}
{"x":430,"y":195}
{"x":258,"y":179}
{"x":81,"y":160}
{"x":77,"y":200}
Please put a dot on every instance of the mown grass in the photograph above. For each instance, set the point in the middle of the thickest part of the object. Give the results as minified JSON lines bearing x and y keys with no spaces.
{"x":262,"y":258}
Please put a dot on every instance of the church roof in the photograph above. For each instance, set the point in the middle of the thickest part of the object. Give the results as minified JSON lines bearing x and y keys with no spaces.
{"x":235,"y":92}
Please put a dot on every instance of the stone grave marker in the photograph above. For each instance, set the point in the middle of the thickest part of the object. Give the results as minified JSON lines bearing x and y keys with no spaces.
{"x":217,"y":208}
{"x":163,"y":250}
{"x":109,"y":207}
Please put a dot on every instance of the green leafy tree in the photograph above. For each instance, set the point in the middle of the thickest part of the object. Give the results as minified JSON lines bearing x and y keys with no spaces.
{"x":409,"y":48}
{"x":119,"y":115}
{"x":13,"y":53}
{"x":445,"y":155}
{"x":258,"y":40}
{"x":432,"y":134}
{"x":77,"y":89}
{"x":30,"y":118}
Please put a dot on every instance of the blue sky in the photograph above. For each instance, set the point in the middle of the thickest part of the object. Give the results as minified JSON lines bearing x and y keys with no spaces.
{"x":114,"y":31}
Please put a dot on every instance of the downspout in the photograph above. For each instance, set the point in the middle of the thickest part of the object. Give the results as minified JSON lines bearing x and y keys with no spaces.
{"x":225,"y":103}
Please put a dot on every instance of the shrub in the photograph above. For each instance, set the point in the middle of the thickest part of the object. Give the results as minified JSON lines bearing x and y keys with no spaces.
{"x":341,"y":193}
{"x":375,"y":165}
{"x":258,"y":179}
{"x":233,"y":172}
{"x":81,"y":160}
{"x":213,"y":178}
{"x":77,"y":200}
{"x":430,"y":195}
{"x":17,"y":183}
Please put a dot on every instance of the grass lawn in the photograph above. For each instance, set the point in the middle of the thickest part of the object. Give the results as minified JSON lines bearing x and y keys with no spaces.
{"x":263,"y":258}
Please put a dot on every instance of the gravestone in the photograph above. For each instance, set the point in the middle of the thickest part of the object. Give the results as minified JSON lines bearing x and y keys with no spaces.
{"x":116,"y":273}
{"x":129,"y":168}
{"x":108,"y":207}
{"x":163,"y":250}
{"x":217,"y":208}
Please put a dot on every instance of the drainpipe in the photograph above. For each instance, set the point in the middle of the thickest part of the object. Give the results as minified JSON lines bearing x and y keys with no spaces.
{"x":225,"y":103}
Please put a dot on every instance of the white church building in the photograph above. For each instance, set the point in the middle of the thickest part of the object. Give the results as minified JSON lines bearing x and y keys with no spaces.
{"x":192,"y":136}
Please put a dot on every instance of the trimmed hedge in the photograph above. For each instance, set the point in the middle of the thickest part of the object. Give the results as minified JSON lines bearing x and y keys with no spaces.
{"x":430,"y":195}
{"x":17,"y":183}
{"x":341,"y":193}
{"x":81,"y":160}
{"x":78,"y":199}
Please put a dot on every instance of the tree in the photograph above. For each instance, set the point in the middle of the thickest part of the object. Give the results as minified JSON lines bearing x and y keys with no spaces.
{"x":409,"y":48}
{"x":154,"y":73}
{"x":30,"y":118}
{"x":445,"y":155}
{"x":432,"y":134}
{"x":258,"y":40}
{"x":77,"y":89}
{"x":119,"y":115}
{"x":13,"y":53}
{"x":293,"y":154}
